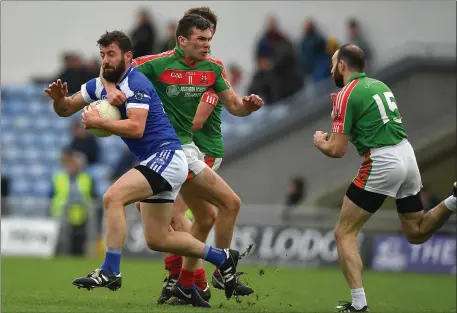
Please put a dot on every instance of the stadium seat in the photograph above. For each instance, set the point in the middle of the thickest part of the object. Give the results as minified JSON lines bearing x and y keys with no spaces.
{"x":19,"y":186}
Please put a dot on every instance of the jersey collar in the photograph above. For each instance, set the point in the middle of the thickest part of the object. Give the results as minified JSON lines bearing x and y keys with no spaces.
{"x":180,"y":54}
{"x":355,"y":76}
{"x":126,"y":74}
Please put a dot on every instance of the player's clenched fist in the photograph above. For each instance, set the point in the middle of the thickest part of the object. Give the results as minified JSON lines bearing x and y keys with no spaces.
{"x":253,"y":102}
{"x":320,"y":136}
{"x":116,"y":97}
{"x":57,"y":91}
{"x":91,"y":117}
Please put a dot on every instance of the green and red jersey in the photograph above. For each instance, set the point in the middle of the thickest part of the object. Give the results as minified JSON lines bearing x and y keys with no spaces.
{"x":366,"y":110}
{"x":181,"y":86}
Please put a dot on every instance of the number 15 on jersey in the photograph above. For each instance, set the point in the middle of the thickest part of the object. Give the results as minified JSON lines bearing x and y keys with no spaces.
{"x":390,"y":104}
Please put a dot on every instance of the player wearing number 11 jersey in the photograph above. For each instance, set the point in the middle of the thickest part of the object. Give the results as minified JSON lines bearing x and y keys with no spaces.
{"x":365,"y":112}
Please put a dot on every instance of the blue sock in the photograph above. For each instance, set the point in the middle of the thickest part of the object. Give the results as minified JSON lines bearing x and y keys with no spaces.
{"x":215,"y":256}
{"x":112,"y":261}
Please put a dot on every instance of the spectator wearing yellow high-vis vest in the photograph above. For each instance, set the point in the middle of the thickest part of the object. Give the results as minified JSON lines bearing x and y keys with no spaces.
{"x":72,"y":195}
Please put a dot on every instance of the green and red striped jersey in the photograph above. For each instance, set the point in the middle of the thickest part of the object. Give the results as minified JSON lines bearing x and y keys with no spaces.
{"x":366,"y":110}
{"x":181,"y":86}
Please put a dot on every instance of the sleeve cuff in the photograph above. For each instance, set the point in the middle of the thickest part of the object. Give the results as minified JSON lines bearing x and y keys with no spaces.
{"x":85,"y":94}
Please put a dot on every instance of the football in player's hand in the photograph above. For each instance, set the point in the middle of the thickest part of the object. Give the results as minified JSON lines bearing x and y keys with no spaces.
{"x":107,"y":111}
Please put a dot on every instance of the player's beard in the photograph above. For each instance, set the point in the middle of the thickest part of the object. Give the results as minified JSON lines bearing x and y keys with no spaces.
{"x":114,"y":75}
{"x":338,"y":79}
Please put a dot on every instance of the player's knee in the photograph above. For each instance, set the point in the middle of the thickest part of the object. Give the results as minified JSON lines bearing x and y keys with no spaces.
{"x":156,"y":243}
{"x":109,"y":198}
{"x":233,"y":204}
{"x":341,"y":234}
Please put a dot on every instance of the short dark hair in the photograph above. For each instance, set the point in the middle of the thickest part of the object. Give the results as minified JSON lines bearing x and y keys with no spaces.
{"x":118,"y":37}
{"x":188,"y":22}
{"x":353,"y":55}
{"x":204,"y":12}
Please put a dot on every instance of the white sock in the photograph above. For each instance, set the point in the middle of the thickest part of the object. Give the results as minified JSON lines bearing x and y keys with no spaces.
{"x":451,"y":203}
{"x":358,"y":298}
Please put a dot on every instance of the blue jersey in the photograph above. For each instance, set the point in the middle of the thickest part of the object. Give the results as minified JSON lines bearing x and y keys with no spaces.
{"x":158,"y":133}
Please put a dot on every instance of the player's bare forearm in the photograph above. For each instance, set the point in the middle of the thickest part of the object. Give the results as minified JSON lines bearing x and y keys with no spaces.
{"x":125,"y":128}
{"x":233,"y":103}
{"x":335,"y":147}
{"x":327,"y":148}
{"x":204,"y":110}
{"x":69,"y":105}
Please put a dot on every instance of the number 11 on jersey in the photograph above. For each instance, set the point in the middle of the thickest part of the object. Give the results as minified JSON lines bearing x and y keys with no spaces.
{"x":390,"y":103}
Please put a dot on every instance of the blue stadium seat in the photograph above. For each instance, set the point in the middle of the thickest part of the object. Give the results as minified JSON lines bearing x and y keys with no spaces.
{"x":20,"y":186}
{"x":11,"y":153}
{"x":42,"y":187}
{"x":13,"y":107}
{"x":37,"y":170}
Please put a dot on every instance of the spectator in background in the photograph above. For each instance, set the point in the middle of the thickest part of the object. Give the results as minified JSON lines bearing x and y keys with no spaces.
{"x":428,"y":198}
{"x":235,"y":75}
{"x":144,"y":35}
{"x":312,"y":52}
{"x":264,"y":82}
{"x":84,"y":142}
{"x":93,"y":66}
{"x":278,"y":48}
{"x":271,"y":41}
{"x":73,"y":191}
{"x":296,"y":194}
{"x":169,"y":42}
{"x":323,"y":66}
{"x":5,"y":193}
{"x":355,"y":37}
{"x":74,"y":72}
{"x":332,"y":46}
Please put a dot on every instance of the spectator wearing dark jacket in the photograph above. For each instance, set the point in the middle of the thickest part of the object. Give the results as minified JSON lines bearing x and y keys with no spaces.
{"x":74,"y":72}
{"x":275,"y":46}
{"x":356,"y":37}
{"x":312,"y":49}
{"x":264,"y":82}
{"x":143,"y":36}
{"x":170,"y":41}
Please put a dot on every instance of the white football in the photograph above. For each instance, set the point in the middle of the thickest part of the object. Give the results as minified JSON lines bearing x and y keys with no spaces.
{"x":107,"y":111}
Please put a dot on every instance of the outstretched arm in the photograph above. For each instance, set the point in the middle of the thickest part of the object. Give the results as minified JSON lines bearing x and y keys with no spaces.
{"x":235,"y":105}
{"x":240,"y":106}
{"x":65,"y":106}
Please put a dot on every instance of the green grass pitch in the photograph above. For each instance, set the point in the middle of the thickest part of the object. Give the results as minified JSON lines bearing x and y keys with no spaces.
{"x":36,"y":285}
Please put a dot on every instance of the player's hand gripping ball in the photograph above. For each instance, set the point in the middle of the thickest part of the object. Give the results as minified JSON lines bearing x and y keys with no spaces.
{"x":96,"y":111}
